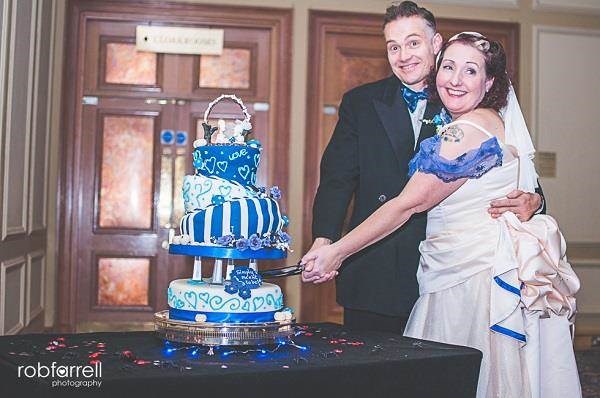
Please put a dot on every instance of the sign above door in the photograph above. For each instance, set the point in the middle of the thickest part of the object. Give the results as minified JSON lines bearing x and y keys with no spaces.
{"x":179,"y":40}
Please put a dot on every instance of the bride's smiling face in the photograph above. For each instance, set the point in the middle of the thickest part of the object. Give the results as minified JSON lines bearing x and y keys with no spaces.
{"x":461,"y":80}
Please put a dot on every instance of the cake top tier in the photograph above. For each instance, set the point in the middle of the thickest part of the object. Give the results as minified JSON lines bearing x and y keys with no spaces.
{"x":224,"y":152}
{"x":235,"y":133}
{"x":231,"y":162}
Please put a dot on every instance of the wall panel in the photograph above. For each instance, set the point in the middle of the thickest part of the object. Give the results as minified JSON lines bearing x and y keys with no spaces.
{"x":26,"y":32}
{"x":40,"y":122}
{"x":565,"y":101}
{"x":18,"y":118}
{"x":12,"y":295}
{"x":36,"y":269}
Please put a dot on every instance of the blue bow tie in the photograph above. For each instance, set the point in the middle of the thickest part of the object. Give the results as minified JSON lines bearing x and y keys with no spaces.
{"x":412,"y":97}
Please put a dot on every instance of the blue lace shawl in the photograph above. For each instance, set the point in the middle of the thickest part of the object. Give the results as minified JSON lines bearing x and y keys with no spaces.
{"x":472,"y":164}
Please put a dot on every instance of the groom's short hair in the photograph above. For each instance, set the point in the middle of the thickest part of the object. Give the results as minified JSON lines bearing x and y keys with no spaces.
{"x":408,"y":9}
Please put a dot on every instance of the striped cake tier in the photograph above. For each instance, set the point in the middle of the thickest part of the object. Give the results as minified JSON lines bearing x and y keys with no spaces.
{"x":240,"y":218}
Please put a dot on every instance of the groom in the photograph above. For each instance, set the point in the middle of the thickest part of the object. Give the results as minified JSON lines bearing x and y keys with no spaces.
{"x":379,"y":128}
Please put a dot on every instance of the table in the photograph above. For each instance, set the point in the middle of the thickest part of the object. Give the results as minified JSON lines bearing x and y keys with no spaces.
{"x":325,"y":360}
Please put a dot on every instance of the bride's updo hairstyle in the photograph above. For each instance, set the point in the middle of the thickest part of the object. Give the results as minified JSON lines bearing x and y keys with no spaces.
{"x":495,"y":66}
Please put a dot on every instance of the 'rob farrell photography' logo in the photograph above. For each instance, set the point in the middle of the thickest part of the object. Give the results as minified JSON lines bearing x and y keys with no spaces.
{"x":64,"y":375}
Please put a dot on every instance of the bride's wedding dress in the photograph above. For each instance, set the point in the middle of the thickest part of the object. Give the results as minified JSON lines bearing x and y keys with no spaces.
{"x":499,"y":285}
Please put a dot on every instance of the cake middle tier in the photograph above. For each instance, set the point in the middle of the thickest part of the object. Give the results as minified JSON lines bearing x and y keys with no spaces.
{"x":240,"y":218}
{"x":200,"y":192}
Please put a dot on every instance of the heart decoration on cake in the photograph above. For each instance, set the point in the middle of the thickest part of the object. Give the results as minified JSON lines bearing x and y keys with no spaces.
{"x":222,"y":165}
{"x":204,"y":297}
{"x":258,"y":302}
{"x":209,"y":164}
{"x":191,"y":298}
{"x":243,"y":171}
{"x":224,"y":190}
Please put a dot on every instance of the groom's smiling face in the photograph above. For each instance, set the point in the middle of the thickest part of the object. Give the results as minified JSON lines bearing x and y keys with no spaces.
{"x":411,"y":47}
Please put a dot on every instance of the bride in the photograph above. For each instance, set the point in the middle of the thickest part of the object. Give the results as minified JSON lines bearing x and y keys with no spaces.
{"x":502,"y":286}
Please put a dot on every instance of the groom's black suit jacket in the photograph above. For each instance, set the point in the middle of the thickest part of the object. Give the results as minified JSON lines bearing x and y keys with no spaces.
{"x":367,"y":158}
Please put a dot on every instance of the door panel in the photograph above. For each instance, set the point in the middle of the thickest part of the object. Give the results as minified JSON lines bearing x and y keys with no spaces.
{"x":132,"y":121}
{"x":119,"y":233}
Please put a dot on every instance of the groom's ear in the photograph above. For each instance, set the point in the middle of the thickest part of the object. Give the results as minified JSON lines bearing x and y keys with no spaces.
{"x":437,"y":43}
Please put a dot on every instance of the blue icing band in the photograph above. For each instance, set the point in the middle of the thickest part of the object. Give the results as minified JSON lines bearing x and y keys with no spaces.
{"x":216,"y":226}
{"x":183,"y":315}
{"x":227,"y":252}
{"x":198,"y":227}
{"x":236,"y":215}
{"x":265,"y":211}
{"x":252,"y":216}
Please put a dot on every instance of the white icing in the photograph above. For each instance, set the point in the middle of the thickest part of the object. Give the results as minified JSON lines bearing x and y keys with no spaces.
{"x":205,"y":297}
{"x":200,"y":318}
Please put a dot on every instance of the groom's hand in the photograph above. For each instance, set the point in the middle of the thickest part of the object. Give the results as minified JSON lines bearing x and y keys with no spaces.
{"x":307,"y":275}
{"x":522,"y":204}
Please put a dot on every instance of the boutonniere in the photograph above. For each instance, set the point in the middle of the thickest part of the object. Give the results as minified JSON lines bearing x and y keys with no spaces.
{"x":439,"y":120}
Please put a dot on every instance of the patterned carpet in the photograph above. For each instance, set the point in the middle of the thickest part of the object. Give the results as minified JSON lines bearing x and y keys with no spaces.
{"x":588,"y":363}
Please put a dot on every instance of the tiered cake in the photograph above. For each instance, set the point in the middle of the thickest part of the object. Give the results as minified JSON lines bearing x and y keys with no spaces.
{"x":230,"y":219}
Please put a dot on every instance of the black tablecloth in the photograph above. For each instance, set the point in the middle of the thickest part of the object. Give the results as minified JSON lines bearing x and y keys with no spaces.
{"x":327,"y":361}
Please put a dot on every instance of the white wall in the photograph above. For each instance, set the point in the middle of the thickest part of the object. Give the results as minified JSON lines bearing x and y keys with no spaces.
{"x":25,"y":106}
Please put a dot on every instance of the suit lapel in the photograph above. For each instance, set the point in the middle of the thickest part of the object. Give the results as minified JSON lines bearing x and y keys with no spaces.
{"x":428,"y":129}
{"x":394,"y":116}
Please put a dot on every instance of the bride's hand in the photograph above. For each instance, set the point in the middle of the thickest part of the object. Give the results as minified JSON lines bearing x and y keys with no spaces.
{"x":321,"y":265}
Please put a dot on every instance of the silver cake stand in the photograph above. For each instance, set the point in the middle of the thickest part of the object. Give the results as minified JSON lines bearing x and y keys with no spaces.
{"x":222,"y":334}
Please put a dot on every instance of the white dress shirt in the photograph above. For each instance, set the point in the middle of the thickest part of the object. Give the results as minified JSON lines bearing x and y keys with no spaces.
{"x":416,"y":118}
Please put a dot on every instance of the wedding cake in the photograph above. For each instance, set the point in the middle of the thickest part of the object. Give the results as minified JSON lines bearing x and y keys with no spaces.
{"x":232,"y":220}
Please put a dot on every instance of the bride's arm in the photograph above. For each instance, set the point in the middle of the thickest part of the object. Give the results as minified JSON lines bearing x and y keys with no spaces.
{"x":423,"y":191}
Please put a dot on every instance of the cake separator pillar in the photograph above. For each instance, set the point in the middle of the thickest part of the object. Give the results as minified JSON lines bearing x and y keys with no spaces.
{"x":197,"y":274}
{"x":230,"y":266}
{"x":217,"y":276}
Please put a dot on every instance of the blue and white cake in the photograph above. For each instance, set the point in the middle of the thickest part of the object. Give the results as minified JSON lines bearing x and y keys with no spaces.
{"x":190,"y":300}
{"x":227,"y":216}
{"x":223,"y":204}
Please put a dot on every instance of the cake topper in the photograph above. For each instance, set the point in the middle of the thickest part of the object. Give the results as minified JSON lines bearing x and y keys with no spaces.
{"x":236,"y":133}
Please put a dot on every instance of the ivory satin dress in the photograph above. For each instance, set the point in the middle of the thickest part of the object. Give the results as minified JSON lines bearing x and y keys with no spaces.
{"x":500,"y":285}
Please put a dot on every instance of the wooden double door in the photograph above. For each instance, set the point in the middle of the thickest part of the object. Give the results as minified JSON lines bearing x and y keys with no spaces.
{"x":130,"y":121}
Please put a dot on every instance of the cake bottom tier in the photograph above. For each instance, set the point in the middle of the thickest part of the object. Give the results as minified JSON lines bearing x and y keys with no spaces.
{"x":191,"y":300}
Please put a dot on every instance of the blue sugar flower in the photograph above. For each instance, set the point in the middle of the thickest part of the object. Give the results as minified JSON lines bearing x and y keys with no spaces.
{"x":286,"y":220}
{"x":245,"y":293}
{"x":284,"y":237}
{"x":266,"y":242}
{"x":225,"y":240}
{"x":254,"y":242}
{"x":275,"y":193}
{"x":218,"y":200}
{"x":241,"y":244}
{"x":231,"y":288}
{"x":254,"y":143}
